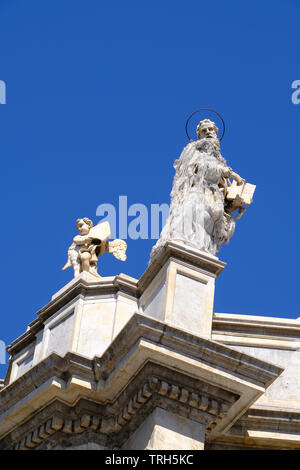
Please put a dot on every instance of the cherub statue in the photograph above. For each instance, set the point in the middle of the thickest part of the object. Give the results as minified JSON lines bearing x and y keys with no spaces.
{"x":92,"y":242}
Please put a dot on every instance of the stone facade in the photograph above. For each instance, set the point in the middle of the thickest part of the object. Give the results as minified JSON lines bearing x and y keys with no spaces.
{"x":120,"y":363}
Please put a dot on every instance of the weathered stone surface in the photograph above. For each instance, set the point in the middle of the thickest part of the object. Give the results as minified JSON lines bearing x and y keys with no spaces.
{"x":83,"y":318}
{"x":149,"y":364}
{"x":163,"y":430}
{"x":174,"y":272}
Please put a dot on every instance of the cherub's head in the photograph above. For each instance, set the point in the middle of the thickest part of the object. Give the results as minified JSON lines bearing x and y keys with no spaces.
{"x":207,"y":129}
{"x":84,"y":225}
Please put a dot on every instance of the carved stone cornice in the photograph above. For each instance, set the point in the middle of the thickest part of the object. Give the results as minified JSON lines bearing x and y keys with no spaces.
{"x":87,"y":415}
{"x":50,"y":369}
{"x":262,"y":427}
{"x":140,"y":326}
{"x":148,"y":364}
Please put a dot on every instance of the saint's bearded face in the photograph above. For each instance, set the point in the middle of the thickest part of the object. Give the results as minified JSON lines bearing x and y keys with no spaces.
{"x":207,"y":131}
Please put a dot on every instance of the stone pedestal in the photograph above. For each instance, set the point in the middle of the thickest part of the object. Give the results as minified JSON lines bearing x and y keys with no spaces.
{"x":178,"y":288}
{"x":83,"y":317}
{"x":87,"y":314}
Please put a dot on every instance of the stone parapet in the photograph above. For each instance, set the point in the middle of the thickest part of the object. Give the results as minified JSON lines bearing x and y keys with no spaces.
{"x":256,"y":331}
{"x":83,"y":318}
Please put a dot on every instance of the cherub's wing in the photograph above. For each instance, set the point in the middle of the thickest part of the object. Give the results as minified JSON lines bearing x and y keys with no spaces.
{"x":68,"y":263}
{"x":118,"y":248}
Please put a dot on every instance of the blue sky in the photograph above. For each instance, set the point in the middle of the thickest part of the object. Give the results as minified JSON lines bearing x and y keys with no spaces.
{"x":98,"y":94}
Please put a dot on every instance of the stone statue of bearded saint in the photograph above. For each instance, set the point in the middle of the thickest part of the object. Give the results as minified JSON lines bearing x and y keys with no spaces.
{"x":200,"y":213}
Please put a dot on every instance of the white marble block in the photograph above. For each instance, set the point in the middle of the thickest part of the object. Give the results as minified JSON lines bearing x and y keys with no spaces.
{"x":83,"y":317}
{"x":163,"y":430}
{"x":181,"y":290}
